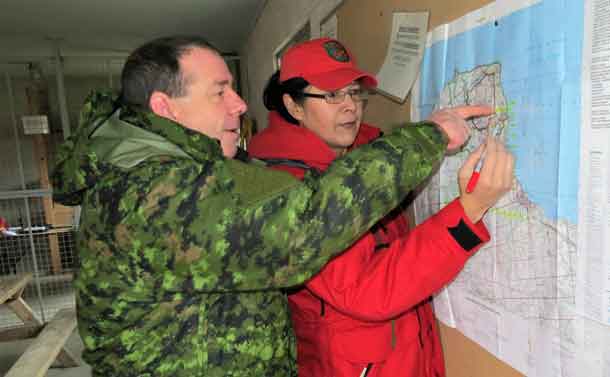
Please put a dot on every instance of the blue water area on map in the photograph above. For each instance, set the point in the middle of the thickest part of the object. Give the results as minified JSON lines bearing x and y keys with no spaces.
{"x":539,"y":49}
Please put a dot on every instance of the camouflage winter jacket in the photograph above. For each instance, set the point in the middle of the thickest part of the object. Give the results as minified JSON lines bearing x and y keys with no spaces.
{"x":181,"y":251}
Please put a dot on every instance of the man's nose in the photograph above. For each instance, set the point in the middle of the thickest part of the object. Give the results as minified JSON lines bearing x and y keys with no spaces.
{"x":237,"y":105}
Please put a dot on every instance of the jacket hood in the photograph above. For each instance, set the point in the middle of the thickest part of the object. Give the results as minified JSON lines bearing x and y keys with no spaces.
{"x":284,"y":140}
{"x":112,"y":137}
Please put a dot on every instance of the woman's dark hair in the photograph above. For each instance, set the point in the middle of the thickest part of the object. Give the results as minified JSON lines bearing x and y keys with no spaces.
{"x":274,"y":91}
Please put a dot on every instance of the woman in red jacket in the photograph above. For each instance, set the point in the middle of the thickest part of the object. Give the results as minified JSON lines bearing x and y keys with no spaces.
{"x":368,"y":312}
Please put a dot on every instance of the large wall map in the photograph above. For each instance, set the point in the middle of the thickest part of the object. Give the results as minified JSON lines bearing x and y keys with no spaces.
{"x":517,"y":296}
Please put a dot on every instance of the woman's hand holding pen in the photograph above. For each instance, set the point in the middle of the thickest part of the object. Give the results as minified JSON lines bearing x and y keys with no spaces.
{"x":495,"y":178}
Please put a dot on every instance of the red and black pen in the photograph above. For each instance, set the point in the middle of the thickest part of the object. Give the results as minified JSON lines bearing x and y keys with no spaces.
{"x":474,"y":178}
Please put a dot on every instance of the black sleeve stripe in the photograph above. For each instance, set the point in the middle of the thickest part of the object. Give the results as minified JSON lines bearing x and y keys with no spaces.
{"x":286,"y":162}
{"x":462,"y":234}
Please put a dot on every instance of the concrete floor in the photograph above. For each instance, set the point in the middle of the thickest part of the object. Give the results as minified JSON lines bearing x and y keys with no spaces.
{"x":10,"y":352}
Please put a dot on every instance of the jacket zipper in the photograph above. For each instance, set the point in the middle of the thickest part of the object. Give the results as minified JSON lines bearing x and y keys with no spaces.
{"x":366,"y":370}
{"x":421,"y":340}
{"x":380,"y":234}
{"x":393,"y":334}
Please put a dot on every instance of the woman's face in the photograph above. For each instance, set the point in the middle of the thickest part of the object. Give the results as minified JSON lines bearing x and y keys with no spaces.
{"x":336,"y":124}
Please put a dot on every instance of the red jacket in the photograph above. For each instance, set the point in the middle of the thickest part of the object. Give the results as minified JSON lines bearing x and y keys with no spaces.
{"x":369,"y":309}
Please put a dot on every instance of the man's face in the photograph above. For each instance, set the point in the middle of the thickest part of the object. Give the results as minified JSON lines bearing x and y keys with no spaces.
{"x":210,"y":105}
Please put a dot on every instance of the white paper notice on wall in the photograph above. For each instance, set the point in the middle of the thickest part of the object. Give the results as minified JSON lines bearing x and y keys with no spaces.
{"x":35,"y":124}
{"x":404,"y":55}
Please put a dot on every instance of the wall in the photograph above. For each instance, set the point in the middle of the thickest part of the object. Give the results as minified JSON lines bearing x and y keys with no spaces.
{"x":280,"y":20}
{"x":365,"y":26}
{"x":76,"y":88}
{"x":9,"y":180}
{"x":369,"y":43}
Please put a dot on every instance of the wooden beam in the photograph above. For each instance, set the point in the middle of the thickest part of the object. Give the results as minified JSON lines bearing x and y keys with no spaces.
{"x":39,"y":356}
{"x":24,"y":312}
{"x":40,"y":154}
{"x":37,"y":101}
{"x":10,"y":288}
{"x":65,"y":359}
{"x":19,"y":333}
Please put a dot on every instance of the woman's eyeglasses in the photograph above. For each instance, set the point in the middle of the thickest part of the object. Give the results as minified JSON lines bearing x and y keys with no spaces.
{"x":338,"y":96}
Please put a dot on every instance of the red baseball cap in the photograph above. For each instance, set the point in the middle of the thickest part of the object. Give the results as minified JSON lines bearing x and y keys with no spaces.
{"x":325,"y":63}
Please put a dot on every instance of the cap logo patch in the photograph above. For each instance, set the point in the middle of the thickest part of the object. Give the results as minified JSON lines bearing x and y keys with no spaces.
{"x":336,"y":51}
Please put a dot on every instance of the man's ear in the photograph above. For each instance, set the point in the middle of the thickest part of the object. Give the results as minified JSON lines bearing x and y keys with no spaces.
{"x":162,"y":105}
{"x":293,"y":108}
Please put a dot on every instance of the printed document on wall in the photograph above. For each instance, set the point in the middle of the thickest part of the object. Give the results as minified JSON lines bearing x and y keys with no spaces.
{"x":403,"y":58}
{"x":593,"y":283}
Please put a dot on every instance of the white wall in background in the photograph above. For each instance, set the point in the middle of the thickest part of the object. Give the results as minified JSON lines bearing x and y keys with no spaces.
{"x":278,"y":23}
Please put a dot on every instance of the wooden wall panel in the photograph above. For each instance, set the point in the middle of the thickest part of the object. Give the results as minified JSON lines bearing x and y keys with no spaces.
{"x":364,"y":26}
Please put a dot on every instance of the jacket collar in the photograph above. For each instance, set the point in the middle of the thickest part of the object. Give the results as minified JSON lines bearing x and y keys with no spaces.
{"x":100,"y":145}
{"x":284,"y":140}
{"x":197,"y":145}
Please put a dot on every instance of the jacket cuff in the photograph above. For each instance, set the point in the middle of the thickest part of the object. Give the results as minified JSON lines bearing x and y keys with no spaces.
{"x":441,"y":132}
{"x":468,"y":235}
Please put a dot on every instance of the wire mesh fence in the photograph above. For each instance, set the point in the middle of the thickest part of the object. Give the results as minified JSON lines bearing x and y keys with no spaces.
{"x":38,"y":239}
{"x":33,"y":244}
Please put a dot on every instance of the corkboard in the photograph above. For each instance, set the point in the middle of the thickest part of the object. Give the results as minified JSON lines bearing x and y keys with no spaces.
{"x":364,"y":26}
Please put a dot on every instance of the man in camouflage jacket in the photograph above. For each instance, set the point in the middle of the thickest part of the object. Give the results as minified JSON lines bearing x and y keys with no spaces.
{"x":182,"y":250}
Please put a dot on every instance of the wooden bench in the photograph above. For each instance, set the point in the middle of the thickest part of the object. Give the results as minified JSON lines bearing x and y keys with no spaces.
{"x":47,"y":347}
{"x":49,"y":339}
{"x":10,"y":295}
